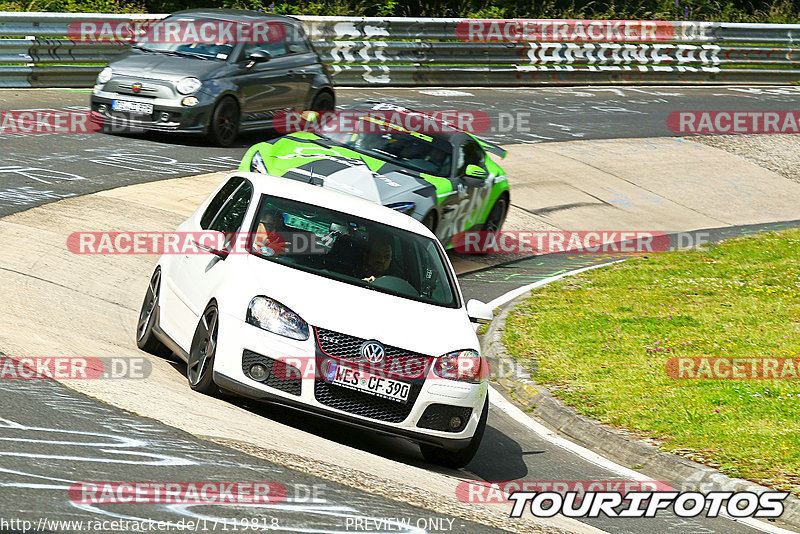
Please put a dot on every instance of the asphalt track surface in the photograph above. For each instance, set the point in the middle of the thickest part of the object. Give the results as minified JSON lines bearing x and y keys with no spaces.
{"x":36,"y":463}
{"x":40,"y":168}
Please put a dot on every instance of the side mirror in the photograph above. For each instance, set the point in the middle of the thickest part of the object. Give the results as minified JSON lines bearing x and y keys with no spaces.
{"x":213,"y":246}
{"x":259,"y":56}
{"x":475,"y":171}
{"x":479,"y":312}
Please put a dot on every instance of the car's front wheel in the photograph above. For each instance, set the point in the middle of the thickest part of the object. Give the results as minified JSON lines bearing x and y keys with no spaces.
{"x":458,"y":458}
{"x":224,"y":126}
{"x":497,"y":215}
{"x":322,"y":102}
{"x":200,"y":367}
{"x":148,"y":315}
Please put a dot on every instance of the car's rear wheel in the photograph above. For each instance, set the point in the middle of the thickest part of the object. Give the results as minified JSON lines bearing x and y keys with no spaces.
{"x":224,"y":126}
{"x":200,"y":367}
{"x":497,"y":215}
{"x":145,"y":337}
{"x":458,"y":458}
{"x":323,"y":102}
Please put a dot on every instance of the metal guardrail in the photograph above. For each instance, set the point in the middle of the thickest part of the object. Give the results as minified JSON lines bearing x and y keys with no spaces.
{"x":405,"y":51}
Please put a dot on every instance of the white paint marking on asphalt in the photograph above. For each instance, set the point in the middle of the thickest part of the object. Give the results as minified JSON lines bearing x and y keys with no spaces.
{"x":514,"y":293}
{"x":444,"y":92}
{"x":551,"y":436}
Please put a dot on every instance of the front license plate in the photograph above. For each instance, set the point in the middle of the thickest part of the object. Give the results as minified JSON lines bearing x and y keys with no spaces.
{"x":126,"y":106}
{"x":367,"y":382}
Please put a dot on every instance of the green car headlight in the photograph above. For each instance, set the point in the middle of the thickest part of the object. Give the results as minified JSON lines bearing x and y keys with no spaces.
{"x":257,"y":164}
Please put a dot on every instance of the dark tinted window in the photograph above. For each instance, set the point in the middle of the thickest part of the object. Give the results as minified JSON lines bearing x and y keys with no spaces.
{"x":217,"y":202}
{"x":230,"y":217}
{"x":356,"y":251}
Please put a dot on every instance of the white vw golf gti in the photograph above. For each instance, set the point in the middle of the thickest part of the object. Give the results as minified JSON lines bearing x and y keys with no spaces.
{"x":326,"y":303}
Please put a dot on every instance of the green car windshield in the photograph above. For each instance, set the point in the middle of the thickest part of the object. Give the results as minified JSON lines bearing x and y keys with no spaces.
{"x":426,"y":153}
{"x":353,"y":250}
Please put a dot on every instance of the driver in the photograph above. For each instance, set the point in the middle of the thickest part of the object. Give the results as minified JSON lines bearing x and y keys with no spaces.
{"x":378,"y":260}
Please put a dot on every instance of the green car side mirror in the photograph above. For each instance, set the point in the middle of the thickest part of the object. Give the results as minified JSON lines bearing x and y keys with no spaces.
{"x":475,"y":171}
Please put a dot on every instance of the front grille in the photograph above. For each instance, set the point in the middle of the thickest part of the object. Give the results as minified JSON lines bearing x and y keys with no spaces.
{"x":437,"y":417}
{"x":364,"y":404}
{"x":407,"y":366}
{"x":397,"y":361}
{"x":280,"y":375}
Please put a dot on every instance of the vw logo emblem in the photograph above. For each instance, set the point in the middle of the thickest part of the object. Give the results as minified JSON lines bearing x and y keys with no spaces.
{"x":373,"y":351}
{"x":136,"y":87}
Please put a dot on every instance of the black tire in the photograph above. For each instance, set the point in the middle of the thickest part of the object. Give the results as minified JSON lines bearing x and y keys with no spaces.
{"x":200,"y":367}
{"x":146,"y":339}
{"x":497,"y":215}
{"x":224,"y":125}
{"x":323,"y":102}
{"x":430,"y":221}
{"x":456,"y":459}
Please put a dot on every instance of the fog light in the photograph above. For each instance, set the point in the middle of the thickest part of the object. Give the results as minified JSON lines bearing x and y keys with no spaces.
{"x":190,"y":101}
{"x":101,"y":108}
{"x":164,"y":116}
{"x":455,"y":422}
{"x":96,"y":89}
{"x":258,"y":372}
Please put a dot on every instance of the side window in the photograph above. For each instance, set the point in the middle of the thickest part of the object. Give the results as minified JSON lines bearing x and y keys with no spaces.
{"x":273,"y":48}
{"x":217,"y":202}
{"x":230,"y":217}
{"x":297,"y":40}
{"x":470,"y":153}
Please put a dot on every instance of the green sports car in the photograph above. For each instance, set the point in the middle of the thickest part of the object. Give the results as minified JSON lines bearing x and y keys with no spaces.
{"x":442,"y":176}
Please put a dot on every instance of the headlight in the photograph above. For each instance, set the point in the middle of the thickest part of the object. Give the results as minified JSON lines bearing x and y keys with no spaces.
{"x":464,"y":365}
{"x":188,"y":85}
{"x":257,"y":164}
{"x":403,"y":207}
{"x":104,"y":75}
{"x":274,"y":317}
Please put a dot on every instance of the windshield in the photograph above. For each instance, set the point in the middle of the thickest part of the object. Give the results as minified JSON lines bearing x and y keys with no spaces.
{"x":431,"y":154}
{"x":353,"y":250}
{"x":156,"y":39}
{"x":210,"y":39}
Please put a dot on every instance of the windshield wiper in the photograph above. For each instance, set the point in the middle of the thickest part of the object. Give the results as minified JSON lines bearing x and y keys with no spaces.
{"x":144,"y":49}
{"x":179,"y":54}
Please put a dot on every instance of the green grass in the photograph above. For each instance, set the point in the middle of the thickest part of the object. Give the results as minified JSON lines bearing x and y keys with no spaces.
{"x":602,"y":340}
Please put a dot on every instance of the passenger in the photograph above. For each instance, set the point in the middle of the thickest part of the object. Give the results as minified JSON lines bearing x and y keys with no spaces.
{"x":269,"y":238}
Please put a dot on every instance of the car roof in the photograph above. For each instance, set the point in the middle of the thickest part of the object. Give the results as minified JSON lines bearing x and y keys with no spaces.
{"x":326,"y":198}
{"x":234,"y":15}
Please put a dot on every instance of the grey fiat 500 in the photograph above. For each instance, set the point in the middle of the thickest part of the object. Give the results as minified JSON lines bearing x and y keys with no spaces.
{"x":233,"y":80}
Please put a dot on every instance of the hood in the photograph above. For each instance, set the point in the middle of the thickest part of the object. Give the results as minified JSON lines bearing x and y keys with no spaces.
{"x":352,"y":175}
{"x":353,"y":310}
{"x":163,"y":67}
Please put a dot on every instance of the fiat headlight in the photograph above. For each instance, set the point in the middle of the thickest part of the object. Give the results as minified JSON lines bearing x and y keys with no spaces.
{"x":463,"y":365}
{"x":188,"y":85}
{"x":104,"y":76}
{"x":274,"y":317}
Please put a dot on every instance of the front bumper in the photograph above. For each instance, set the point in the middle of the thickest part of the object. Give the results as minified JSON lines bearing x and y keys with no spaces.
{"x":180,"y":119}
{"x":236,"y":336}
